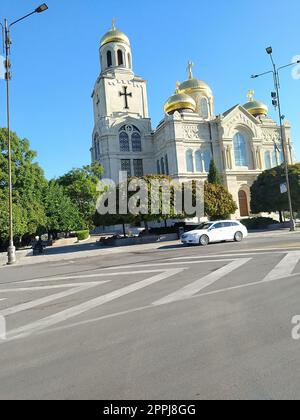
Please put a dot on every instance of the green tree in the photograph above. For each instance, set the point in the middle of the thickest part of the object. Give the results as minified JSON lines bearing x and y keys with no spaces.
{"x":218,"y":202}
{"x":29,"y":185}
{"x":81,"y":186}
{"x":266,"y":196}
{"x":214,"y":176}
{"x":62,"y":214}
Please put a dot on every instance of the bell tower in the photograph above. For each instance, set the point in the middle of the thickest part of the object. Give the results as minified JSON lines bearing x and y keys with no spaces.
{"x":115,"y":51}
{"x":120,"y":100}
{"x":118,"y":91}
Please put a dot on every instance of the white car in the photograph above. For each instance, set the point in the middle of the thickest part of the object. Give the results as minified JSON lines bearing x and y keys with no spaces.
{"x":213,"y":232}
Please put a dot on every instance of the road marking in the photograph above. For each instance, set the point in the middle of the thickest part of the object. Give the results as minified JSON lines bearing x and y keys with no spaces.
{"x":197,"y":286}
{"x":140,"y":309}
{"x":150,"y":307}
{"x":91,"y":304}
{"x":90,"y":276}
{"x":38,"y":302}
{"x":162,"y":264}
{"x":285,"y":268}
{"x":228,"y":256}
{"x":41,"y":288}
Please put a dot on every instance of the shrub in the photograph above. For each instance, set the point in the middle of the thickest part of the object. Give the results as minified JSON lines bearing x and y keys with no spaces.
{"x":82,"y":235}
{"x":258,"y":222}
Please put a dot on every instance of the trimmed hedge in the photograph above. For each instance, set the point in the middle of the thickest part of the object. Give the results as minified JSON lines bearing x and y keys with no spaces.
{"x":259,"y":222}
{"x":82,"y":235}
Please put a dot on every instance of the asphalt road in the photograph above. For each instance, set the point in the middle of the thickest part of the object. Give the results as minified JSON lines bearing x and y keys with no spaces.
{"x":173,"y":323}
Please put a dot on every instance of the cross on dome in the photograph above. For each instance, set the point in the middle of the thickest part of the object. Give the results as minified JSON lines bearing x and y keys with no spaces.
{"x":250,"y":95}
{"x":190,"y":69}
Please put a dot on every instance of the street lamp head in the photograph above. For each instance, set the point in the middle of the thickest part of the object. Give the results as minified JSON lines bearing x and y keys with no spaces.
{"x":254,"y":76}
{"x":269,"y":50}
{"x":42,"y":8}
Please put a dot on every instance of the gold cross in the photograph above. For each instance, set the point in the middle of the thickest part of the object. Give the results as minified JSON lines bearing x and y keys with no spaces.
{"x":114,"y":24}
{"x":177,"y":86}
{"x":190,"y":69}
{"x":250,"y":95}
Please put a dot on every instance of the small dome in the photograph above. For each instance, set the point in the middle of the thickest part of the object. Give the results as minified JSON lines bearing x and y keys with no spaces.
{"x":255,"y":107}
{"x":114,"y":36}
{"x":179,"y":101}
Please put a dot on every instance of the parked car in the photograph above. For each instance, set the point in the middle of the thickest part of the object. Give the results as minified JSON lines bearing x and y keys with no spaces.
{"x":213,"y":232}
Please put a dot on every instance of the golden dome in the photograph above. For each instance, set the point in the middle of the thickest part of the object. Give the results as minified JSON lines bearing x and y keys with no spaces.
{"x":195,"y":85}
{"x":114,"y":36}
{"x":178,"y":102}
{"x":255,"y":107}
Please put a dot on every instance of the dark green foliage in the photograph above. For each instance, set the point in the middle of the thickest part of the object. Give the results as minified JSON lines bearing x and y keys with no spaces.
{"x":258,"y":223}
{"x":82,"y":235}
{"x":265,"y":192}
{"x":29,"y":186}
{"x":62,"y":214}
{"x":214,"y":176}
{"x":219,"y":203}
{"x":81,"y":186}
{"x":40,"y":206}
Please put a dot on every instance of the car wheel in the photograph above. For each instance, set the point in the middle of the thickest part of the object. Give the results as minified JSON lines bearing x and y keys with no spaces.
{"x":204,"y":240}
{"x":238,"y":237}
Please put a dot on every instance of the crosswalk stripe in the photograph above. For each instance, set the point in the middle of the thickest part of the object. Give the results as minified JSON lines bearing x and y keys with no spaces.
{"x":195,"y":287}
{"x":89,"y":305}
{"x":90,"y":276}
{"x":164,"y":264}
{"x":285,"y":268}
{"x":42,"y":301}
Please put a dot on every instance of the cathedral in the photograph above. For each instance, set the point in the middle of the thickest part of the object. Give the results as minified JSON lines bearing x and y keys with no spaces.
{"x":243,"y":141}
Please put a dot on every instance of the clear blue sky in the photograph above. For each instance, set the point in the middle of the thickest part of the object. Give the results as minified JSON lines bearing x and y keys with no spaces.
{"x":55,"y":62}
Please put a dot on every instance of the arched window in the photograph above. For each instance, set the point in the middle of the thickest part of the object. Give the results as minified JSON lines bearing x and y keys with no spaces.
{"x":158,"y":167}
{"x":120,"y":58}
{"x":207,"y":160}
{"x":268,"y":162}
{"x":275,"y":161}
{"x":162,"y":166}
{"x":198,"y":161}
{"x":124,"y":142}
{"x":129,"y":61}
{"x":136,"y":142}
{"x":189,"y":161}
{"x":97,"y":146}
{"x":109,"y":59}
{"x":130,"y":134}
{"x":240,"y":150}
{"x":281,"y":156}
{"x":167,"y":165}
{"x":204,"y":108}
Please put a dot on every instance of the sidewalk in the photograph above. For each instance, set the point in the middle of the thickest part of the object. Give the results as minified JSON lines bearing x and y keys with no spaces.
{"x":87,"y":250}
{"x":93,"y":251}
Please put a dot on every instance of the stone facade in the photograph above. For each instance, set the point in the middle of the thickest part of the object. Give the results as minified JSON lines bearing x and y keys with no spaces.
{"x":185,"y":141}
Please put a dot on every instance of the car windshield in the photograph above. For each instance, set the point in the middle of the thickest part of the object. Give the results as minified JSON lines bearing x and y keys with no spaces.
{"x":204,"y":226}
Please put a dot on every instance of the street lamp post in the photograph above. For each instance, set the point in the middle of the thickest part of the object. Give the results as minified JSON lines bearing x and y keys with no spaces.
{"x":277,"y":103}
{"x":11,"y":252}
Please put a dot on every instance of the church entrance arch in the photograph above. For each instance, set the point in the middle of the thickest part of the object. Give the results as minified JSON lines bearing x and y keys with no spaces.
{"x":243,"y":204}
